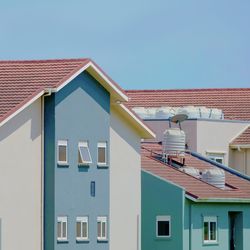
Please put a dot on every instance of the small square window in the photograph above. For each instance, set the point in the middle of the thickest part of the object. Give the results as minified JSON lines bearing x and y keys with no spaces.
{"x":82,"y":228}
{"x":84,"y":156}
{"x":163,"y":226}
{"x":62,"y":152}
{"x":102,"y":228}
{"x":102,"y":153}
{"x":62,"y":228}
{"x":210,"y":229}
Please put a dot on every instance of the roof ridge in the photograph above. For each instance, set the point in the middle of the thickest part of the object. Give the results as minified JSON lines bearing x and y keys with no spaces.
{"x":45,"y":60}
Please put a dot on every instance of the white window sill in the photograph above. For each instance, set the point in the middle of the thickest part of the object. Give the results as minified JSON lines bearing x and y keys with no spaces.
{"x":102,"y":165}
{"x":62,"y":240}
{"x":82,"y":240}
{"x":62,"y":164}
{"x":102,"y":240}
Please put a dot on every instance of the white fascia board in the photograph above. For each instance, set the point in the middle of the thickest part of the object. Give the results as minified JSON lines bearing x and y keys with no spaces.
{"x":85,"y":67}
{"x":218,"y":200}
{"x":117,"y":90}
{"x":22,"y":108}
{"x":239,"y":134}
{"x":138,"y":121}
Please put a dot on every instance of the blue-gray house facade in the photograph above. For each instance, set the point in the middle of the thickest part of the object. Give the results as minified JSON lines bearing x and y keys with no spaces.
{"x":78,"y":113}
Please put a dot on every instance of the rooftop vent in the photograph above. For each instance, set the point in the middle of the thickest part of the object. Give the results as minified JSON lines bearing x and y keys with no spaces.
{"x":215,"y":177}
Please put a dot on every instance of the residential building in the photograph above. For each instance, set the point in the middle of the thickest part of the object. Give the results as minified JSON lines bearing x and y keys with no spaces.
{"x":216,"y":117}
{"x":183,"y":210}
{"x":69,"y":158}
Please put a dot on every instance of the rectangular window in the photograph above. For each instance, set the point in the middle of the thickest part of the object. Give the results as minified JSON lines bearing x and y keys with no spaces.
{"x":102,"y":153}
{"x":62,"y":152}
{"x":82,"y":228}
{"x":163,"y":226}
{"x":92,"y":188}
{"x":102,"y":228}
{"x":62,"y":228}
{"x":84,"y":156}
{"x":210,"y":229}
{"x":217,"y":157}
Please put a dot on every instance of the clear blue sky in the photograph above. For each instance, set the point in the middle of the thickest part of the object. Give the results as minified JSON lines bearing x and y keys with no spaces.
{"x":141,"y":44}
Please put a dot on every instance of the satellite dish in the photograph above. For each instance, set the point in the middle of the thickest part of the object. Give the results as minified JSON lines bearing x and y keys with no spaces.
{"x":178,"y":118}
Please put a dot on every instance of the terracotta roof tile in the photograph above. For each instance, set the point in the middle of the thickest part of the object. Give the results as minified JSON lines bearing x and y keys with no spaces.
{"x":193,"y":186}
{"x":234,"y":102}
{"x":243,"y":138}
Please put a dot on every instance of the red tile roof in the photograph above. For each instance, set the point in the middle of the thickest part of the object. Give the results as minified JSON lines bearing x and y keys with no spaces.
{"x":20,"y":81}
{"x":235,"y":103}
{"x":193,"y":186}
{"x":243,"y":138}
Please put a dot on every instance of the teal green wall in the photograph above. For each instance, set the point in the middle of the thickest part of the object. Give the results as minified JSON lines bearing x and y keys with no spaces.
{"x":194,"y":212}
{"x":161,"y":198}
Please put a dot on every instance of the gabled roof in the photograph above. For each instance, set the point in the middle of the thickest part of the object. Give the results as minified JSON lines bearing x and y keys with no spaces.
{"x":194,"y":187}
{"x":23,"y":82}
{"x":234,"y":102}
{"x":242,"y":140}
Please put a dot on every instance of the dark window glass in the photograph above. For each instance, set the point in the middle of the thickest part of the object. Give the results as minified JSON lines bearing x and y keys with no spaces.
{"x":163,"y":228}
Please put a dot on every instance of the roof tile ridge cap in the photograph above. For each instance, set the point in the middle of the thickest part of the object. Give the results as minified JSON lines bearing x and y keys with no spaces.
{"x":21,"y":104}
{"x":44,"y":60}
{"x":65,"y":78}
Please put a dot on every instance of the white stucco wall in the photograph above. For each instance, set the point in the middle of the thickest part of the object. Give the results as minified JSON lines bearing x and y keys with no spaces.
{"x":20,"y":180}
{"x":215,"y":136}
{"x":125,"y":185}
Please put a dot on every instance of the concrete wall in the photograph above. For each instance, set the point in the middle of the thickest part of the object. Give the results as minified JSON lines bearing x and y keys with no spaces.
{"x":20,"y":180}
{"x":215,"y":136}
{"x":197,"y":211}
{"x":240,"y":160}
{"x":161,"y":198}
{"x":189,"y":126}
{"x":125,"y":185}
{"x":79,"y":112}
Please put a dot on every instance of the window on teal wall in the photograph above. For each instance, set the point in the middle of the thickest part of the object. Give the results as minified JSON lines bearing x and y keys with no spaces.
{"x":82,"y":228}
{"x":102,"y":228}
{"x":102,"y":153}
{"x":62,"y":154}
{"x":163,"y":226}
{"x":62,"y":228}
{"x":210,"y":229}
{"x":84,"y":156}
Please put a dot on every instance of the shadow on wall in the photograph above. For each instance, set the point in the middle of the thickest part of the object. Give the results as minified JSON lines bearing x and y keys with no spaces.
{"x":31,"y":115}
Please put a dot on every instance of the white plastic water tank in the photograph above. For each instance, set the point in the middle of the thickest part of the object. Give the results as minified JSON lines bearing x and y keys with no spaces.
{"x":204,"y":112}
{"x":164,"y":112}
{"x":216,"y":114}
{"x":215,"y":177}
{"x":191,"y":111}
{"x":140,"y":111}
{"x":174,"y":140}
{"x":192,"y":171}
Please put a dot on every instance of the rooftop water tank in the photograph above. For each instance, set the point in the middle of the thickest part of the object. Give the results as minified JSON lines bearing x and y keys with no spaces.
{"x":192,"y":171}
{"x":174,"y":140}
{"x":215,"y":177}
{"x":216,"y":114}
{"x":191,"y":111}
{"x":164,"y":112}
{"x":140,"y":111}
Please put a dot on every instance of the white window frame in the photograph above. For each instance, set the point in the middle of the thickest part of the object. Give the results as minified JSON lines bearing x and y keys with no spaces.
{"x":82,"y":219}
{"x":163,"y":218}
{"x":61,"y":220}
{"x":102,"y":145}
{"x":62,"y":143}
{"x":215,"y":156}
{"x":210,"y":219}
{"x":102,"y":219}
{"x":84,"y":144}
